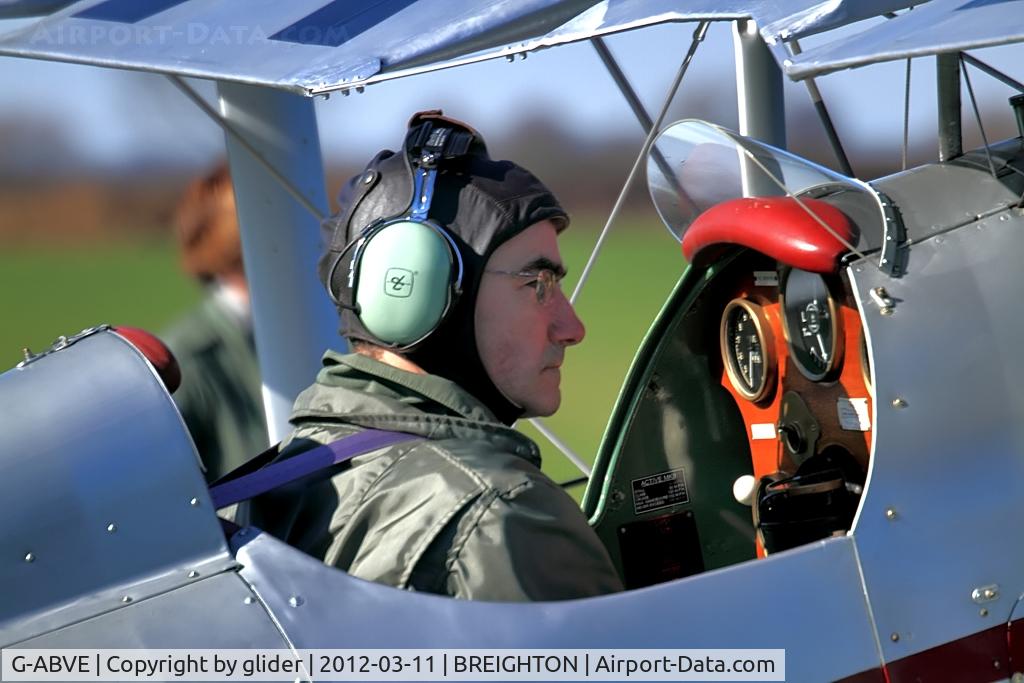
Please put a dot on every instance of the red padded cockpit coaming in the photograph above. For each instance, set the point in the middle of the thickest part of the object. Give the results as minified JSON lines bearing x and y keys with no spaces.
{"x":776,"y":226}
{"x":156,"y":352}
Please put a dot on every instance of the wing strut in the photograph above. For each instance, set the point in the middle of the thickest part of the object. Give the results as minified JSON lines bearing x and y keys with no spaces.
{"x":826,"y":118}
{"x":947,"y":68}
{"x":698,"y":37}
{"x":293,"y":319}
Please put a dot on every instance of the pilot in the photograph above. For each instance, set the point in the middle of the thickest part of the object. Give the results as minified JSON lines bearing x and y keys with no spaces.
{"x":219,"y":396}
{"x":453,"y":346}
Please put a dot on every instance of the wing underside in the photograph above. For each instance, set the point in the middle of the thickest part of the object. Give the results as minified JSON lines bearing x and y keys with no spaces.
{"x":318,"y":46}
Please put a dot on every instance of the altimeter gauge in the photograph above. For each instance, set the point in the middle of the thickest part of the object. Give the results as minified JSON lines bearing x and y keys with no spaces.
{"x":747,"y":349}
{"x":810,"y":320}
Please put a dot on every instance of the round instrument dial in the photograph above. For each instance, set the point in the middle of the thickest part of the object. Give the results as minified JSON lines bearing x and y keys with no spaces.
{"x":747,"y":349}
{"x":811,"y":323}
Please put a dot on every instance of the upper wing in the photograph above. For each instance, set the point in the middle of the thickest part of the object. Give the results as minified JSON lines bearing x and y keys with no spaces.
{"x":316,"y":46}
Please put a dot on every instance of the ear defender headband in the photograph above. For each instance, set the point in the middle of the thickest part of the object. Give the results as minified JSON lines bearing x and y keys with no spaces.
{"x":406,"y":273}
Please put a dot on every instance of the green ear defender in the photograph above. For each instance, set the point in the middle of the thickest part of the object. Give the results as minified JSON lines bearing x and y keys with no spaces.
{"x":405,"y":273}
{"x":403,"y":281}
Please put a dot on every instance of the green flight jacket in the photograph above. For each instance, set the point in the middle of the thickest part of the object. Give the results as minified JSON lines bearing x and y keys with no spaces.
{"x":220,"y":396}
{"x":464,"y":512}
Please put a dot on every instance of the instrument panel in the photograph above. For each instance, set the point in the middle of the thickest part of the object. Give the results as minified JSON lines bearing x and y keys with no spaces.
{"x":748,"y":428}
{"x":794,"y":360}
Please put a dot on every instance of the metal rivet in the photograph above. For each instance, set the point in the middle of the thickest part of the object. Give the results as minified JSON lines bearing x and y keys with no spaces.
{"x":887,"y":310}
{"x":193,"y":574}
{"x":890,"y":513}
{"x":510,"y":58}
{"x":985,"y":593}
{"x":899,"y":402}
{"x":881,"y":297}
{"x":29,"y":557}
{"x":248,"y":600}
{"x":194,"y":502}
{"x":983,"y":612}
{"x":126,"y":599}
{"x":1004,"y":217}
{"x":895,"y":637}
{"x":939,"y":240}
{"x":368,"y":178}
{"x":295,"y":601}
{"x":111,"y":528}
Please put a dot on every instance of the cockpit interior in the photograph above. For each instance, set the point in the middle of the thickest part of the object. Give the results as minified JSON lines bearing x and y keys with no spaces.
{"x":745,"y":425}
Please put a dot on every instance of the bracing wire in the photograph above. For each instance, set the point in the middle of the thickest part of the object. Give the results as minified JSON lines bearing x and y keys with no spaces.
{"x":906,"y":118}
{"x":977,"y":115}
{"x":287,"y":184}
{"x":698,"y":36}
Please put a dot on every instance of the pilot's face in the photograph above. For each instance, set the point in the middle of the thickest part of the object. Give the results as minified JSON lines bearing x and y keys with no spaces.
{"x":522,"y":330}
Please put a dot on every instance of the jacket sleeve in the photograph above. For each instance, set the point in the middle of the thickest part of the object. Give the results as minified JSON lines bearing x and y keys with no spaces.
{"x":528,"y":543}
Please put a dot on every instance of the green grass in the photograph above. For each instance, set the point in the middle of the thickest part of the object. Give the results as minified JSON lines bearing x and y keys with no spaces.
{"x":51,"y":291}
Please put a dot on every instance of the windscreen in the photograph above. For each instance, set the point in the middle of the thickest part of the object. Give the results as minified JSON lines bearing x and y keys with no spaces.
{"x":694,"y":165}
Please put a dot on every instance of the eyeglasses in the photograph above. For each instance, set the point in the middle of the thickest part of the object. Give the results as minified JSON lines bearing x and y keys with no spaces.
{"x":545,"y":282}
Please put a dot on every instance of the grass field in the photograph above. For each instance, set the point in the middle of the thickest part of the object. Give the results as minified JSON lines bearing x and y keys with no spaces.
{"x":50,"y":291}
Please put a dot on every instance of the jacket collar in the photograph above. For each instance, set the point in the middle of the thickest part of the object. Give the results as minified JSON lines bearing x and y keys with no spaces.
{"x":359,"y":390}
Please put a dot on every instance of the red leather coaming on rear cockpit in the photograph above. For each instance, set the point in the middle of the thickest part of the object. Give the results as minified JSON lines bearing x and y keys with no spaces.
{"x":781,"y":227}
{"x":156,"y":352}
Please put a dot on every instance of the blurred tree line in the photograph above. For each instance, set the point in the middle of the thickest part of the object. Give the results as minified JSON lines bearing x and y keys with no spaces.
{"x":49,"y":193}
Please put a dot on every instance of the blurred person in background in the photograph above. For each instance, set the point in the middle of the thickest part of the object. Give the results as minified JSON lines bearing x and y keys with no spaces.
{"x":220,"y":395}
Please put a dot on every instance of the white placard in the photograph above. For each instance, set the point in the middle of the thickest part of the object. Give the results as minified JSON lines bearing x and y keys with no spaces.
{"x":853,"y":414}
{"x":764,"y":430}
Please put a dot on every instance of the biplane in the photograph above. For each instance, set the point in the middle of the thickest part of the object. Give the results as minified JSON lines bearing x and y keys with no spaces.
{"x":818,"y":447}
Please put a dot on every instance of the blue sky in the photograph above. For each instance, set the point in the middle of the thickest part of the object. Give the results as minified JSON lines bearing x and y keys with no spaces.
{"x":113,"y":116}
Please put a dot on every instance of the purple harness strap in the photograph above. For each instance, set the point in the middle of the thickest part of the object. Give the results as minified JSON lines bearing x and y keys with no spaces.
{"x":287,"y":471}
